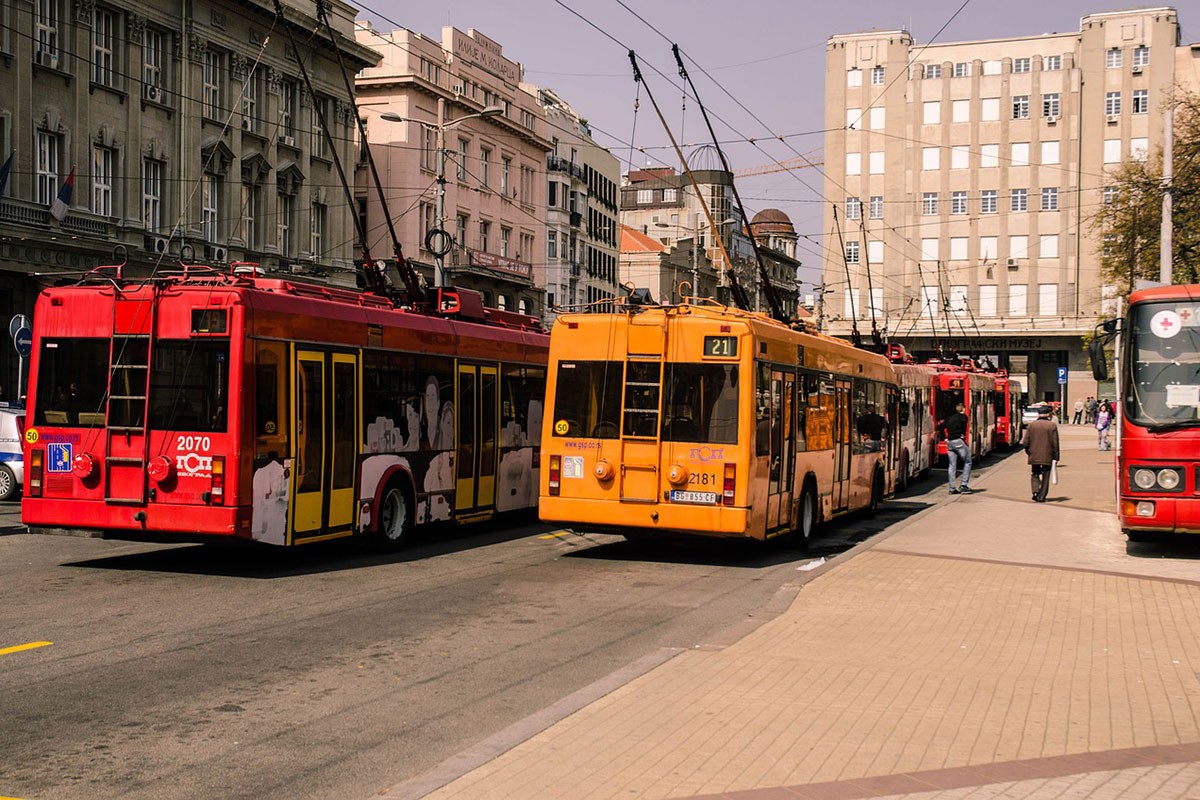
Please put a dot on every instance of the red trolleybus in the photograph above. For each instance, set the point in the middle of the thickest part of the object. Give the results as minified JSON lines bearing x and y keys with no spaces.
{"x":1007,"y":401}
{"x":705,"y":420}
{"x":1158,"y":416}
{"x":953,"y":384}
{"x":209,"y":405}
{"x":918,"y":428}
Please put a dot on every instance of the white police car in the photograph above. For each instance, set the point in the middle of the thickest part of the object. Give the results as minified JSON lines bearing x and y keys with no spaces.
{"x":12,"y":461}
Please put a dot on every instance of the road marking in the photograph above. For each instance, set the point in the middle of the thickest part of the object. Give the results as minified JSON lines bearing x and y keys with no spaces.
{"x":555,"y":535}
{"x":16,"y":649}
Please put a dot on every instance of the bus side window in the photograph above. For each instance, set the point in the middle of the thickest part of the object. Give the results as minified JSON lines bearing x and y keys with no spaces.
{"x":270,"y":403}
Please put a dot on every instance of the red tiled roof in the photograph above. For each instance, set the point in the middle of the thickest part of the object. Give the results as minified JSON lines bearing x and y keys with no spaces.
{"x":634,"y":241}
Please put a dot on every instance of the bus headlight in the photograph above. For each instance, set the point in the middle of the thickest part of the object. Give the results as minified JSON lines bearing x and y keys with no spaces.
{"x":677,"y":474}
{"x":1168,"y":479}
{"x":1143,"y":479}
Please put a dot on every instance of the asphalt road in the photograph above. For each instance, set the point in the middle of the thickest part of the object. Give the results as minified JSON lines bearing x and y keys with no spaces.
{"x":190,"y":671}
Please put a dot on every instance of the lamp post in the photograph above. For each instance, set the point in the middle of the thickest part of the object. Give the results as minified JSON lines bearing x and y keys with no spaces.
{"x":695,"y":245}
{"x":440,"y":248}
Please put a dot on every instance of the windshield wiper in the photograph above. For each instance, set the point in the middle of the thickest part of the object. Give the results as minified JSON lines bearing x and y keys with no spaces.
{"x":1163,"y":427}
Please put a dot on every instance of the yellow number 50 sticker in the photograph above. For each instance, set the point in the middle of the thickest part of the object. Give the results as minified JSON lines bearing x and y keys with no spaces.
{"x":561,"y":427}
{"x":31,"y":435}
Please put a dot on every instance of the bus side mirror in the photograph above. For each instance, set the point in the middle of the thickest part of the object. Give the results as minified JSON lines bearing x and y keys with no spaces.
{"x":1098,"y":358}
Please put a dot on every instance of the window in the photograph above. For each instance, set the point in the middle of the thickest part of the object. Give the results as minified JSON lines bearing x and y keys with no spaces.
{"x":987,"y":201}
{"x":485,"y":166}
{"x":929,"y":157}
{"x":45,"y":27}
{"x":1141,"y":101}
{"x":505,"y":176}
{"x":1020,"y":65}
{"x":962,"y":70}
{"x":929,"y":203}
{"x":1049,"y":198}
{"x":1048,"y":246}
{"x":460,"y":167}
{"x":1020,"y":106}
{"x":152,"y":186}
{"x":989,"y":155}
{"x":929,"y":249}
{"x":989,"y":108}
{"x":877,"y":76}
{"x":960,"y":110}
{"x":958,"y":300}
{"x":287,"y":109}
{"x":992,"y":67}
{"x":250,"y":215}
{"x":1052,"y":63}
{"x":1112,"y":103}
{"x":320,"y":108}
{"x":851,"y":306}
{"x":1020,"y":200}
{"x":485,"y":233}
{"x":877,"y":163}
{"x":987,"y":248}
{"x":46,"y":184}
{"x":853,"y":118}
{"x":251,"y":87}
{"x":214,"y":73}
{"x":852,"y":252}
{"x":854,"y":77}
{"x":430,"y":71}
{"x":1141,"y":56}
{"x":1139,"y":148}
{"x":876,"y":206}
{"x":286,"y":207}
{"x":960,"y":157}
{"x":1018,"y":246}
{"x":505,"y":240}
{"x":1016,"y":299}
{"x":929,"y":301}
{"x":316,"y":231}
{"x":461,"y":220}
{"x":210,"y":203}
{"x":853,"y":166}
{"x":154,"y":58}
{"x":1049,"y":152}
{"x":1050,"y":104}
{"x":1110,"y":195}
{"x":1019,"y":153}
{"x":933,"y":70}
{"x":853,"y":208}
{"x":1112,"y":59}
{"x":1112,"y":151}
{"x":644,"y":196}
{"x":552,"y":245}
{"x":1047,"y":299}
{"x":932,"y":112}
{"x":987,"y":301}
{"x":104,"y":26}
{"x":958,"y":202}
{"x":877,"y":119}
{"x":875,"y":252}
{"x":958,"y":248}
{"x":102,"y":181}
{"x":191,"y":380}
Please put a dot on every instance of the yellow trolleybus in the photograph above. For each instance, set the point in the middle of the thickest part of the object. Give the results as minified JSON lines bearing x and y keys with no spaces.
{"x":706,"y":420}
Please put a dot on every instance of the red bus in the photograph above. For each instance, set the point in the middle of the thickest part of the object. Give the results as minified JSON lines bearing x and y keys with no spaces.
{"x":208,"y":405}
{"x":953,"y":384}
{"x":1158,"y":410}
{"x":918,"y":427}
{"x":1006,"y":402}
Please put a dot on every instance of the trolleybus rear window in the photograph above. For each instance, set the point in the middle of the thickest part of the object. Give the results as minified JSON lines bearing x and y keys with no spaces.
{"x":189,"y":385}
{"x":701,"y":403}
{"x":587,"y":400}
{"x":72,"y":382}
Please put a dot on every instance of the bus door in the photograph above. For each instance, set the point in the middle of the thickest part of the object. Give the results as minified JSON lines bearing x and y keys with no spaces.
{"x":326,"y":437}
{"x":477,"y":428}
{"x":842,"y":427}
{"x":780,"y":478}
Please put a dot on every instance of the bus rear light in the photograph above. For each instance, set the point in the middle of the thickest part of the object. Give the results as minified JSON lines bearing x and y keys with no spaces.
{"x":160,"y":469}
{"x":730,"y":484}
{"x":83,"y":466}
{"x":603,"y":470}
{"x":555,"y":474}
{"x":36,"y":460}
{"x":218,"y":480}
{"x":677,"y":474}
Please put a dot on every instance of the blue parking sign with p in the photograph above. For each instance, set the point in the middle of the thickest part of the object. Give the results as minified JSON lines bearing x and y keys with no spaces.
{"x":58,"y":457}
{"x":1062,"y":374}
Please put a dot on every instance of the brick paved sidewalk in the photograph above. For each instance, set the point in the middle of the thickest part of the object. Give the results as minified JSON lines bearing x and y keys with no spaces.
{"x":991,"y":646}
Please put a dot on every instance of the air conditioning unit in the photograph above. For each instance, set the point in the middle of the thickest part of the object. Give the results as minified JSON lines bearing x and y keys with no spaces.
{"x":1113,"y":118}
{"x":298,"y":269}
{"x":46,"y":59}
{"x":214,"y":253}
{"x":290,"y":141}
{"x":247,"y":124}
{"x":1012,"y":263}
{"x":153,"y":94}
{"x":1137,"y":69}
{"x":157,"y":244}
{"x":1051,"y":119}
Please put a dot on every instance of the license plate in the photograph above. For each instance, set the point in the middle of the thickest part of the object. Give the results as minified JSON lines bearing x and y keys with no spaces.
{"x":709,"y":498}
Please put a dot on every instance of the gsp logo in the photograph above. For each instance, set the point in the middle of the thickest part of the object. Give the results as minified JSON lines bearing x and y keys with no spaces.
{"x":706,"y":454}
{"x":194,"y":464}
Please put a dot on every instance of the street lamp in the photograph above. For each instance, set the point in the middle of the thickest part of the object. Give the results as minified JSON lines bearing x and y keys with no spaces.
{"x":695,"y":243}
{"x":441,"y":126}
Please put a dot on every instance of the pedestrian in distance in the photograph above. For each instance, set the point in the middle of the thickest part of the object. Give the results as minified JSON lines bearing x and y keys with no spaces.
{"x":1078,"y":418}
{"x":1103,"y":423}
{"x":1041,"y":443}
{"x":957,"y":449}
{"x":1091,"y":410}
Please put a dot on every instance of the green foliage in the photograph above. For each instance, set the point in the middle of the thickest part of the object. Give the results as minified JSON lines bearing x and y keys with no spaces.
{"x":1130,"y":225}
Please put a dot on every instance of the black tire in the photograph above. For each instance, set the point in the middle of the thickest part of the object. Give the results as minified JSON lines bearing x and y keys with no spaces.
{"x":8,"y":483}
{"x":806,"y":526}
{"x":395,"y":519}
{"x":876,"y":491}
{"x":902,"y":477}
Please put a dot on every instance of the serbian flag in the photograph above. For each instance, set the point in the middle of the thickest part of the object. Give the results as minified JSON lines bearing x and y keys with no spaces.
{"x":7,"y":168}
{"x":58,"y":209}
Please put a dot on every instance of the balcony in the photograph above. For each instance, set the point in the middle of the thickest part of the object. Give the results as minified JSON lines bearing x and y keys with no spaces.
{"x":559,"y":164}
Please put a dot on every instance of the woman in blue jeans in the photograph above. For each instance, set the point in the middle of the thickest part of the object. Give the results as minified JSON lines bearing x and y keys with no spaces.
{"x":957,"y":449}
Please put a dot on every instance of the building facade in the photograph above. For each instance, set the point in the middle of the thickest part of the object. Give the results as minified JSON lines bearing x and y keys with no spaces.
{"x":181,"y":131}
{"x":494,"y":201}
{"x":961,"y":178}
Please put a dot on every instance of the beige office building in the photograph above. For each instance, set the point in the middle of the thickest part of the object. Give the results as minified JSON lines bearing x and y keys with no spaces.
{"x":962,"y":178}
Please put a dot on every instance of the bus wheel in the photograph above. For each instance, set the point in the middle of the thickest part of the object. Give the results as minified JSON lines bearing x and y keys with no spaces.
{"x":8,"y":483}
{"x":902,"y":478}
{"x":395,"y":519}
{"x":876,"y":491}
{"x":808,"y":517}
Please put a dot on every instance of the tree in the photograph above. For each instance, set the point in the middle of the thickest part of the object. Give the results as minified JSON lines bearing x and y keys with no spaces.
{"x":1128,"y":221}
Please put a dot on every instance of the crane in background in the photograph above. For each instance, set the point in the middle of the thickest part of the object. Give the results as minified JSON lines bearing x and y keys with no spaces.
{"x":810,"y":159}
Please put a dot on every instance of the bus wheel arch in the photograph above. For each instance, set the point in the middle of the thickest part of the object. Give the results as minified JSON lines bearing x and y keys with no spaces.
{"x":810,"y":512}
{"x":395,"y":513}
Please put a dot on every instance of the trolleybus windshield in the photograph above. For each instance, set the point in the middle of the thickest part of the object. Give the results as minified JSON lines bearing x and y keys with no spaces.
{"x":189,"y":382}
{"x":587,"y":402}
{"x":701,"y":403}
{"x":1165,"y":363}
{"x":72,"y":382}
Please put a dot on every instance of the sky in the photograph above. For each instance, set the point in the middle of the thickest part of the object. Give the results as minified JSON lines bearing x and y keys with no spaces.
{"x":758,"y":66}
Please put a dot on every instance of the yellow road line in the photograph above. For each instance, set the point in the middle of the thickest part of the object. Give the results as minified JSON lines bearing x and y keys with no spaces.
{"x":555,"y":535}
{"x":16,"y":649}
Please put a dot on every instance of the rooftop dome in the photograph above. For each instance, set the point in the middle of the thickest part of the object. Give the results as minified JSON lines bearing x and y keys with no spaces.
{"x":771,"y":220}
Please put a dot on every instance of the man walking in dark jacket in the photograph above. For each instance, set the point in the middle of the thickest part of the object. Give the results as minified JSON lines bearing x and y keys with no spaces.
{"x":1041,"y":443}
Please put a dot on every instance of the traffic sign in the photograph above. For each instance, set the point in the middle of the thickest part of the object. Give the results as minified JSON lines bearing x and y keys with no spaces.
{"x":1062,"y":375}
{"x":23,"y":342}
{"x":16,"y":323}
